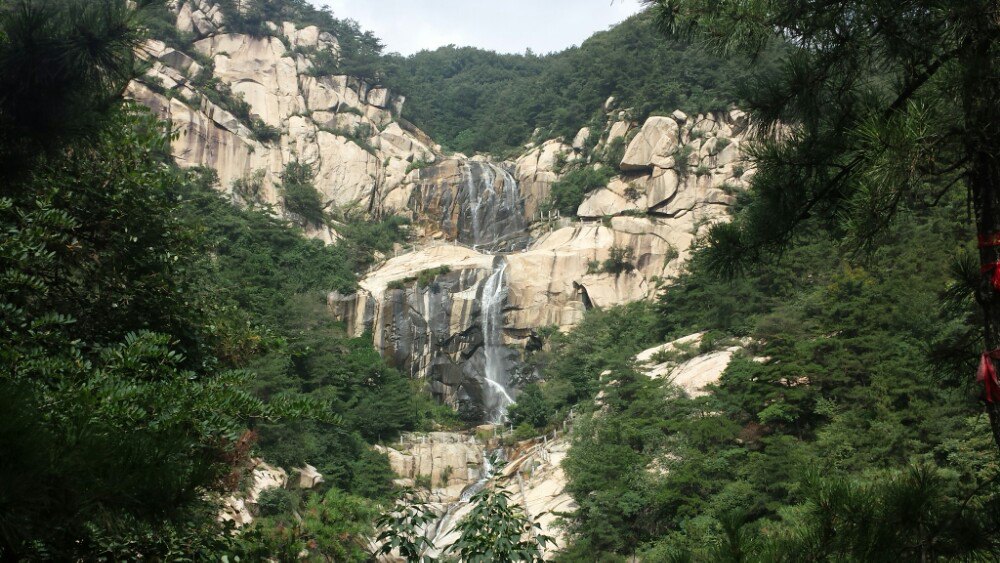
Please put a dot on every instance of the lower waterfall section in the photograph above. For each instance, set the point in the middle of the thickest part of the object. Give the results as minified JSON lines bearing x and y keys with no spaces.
{"x":448,"y":330}
{"x":496,"y":380}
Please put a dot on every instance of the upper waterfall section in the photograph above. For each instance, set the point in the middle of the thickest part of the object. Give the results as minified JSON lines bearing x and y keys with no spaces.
{"x":474,"y":202}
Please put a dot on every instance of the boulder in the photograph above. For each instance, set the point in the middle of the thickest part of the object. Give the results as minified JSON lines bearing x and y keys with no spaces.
{"x":450,"y":460}
{"x":580,"y":141}
{"x":309,"y":477}
{"x":658,"y":139}
{"x":660,"y":187}
{"x":617,"y":198}
{"x":619,"y":130}
{"x":379,"y":97}
{"x":535,"y":172}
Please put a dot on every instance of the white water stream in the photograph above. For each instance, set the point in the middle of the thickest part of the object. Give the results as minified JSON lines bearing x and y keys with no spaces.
{"x":442,"y":527}
{"x":496,"y":393}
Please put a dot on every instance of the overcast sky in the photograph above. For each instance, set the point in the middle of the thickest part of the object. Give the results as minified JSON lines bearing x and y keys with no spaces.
{"x":508,"y":26}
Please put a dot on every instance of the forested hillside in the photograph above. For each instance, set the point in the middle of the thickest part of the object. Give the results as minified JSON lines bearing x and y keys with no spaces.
{"x":863,"y":399}
{"x":155,"y":337}
{"x":851,"y":426}
{"x":162,"y":336}
{"x":472,"y":100}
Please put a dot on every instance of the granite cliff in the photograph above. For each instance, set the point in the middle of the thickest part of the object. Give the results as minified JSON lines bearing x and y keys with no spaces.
{"x":473,"y":220}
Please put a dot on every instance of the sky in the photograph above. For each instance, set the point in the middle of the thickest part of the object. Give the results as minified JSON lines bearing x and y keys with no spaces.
{"x":506,"y":26}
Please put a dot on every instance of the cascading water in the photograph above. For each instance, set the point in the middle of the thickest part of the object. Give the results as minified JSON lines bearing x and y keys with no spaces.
{"x":496,"y":394}
{"x":489,"y":470}
{"x":495,"y":211}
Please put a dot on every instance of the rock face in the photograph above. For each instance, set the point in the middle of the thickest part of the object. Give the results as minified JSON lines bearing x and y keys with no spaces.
{"x":536,"y":171}
{"x":346,"y":129}
{"x":473,"y":208}
{"x":248,"y":106}
{"x":240,"y":508}
{"x":536,"y":482}
{"x":680,"y":363}
{"x":654,"y":144}
{"x":447,"y":461}
{"x":473,"y":202}
{"x":433,"y":328}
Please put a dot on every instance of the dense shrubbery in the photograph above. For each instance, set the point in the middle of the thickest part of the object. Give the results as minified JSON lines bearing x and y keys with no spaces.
{"x":301,"y":196}
{"x":572,"y":363}
{"x":866,"y":375}
{"x":570,"y":191}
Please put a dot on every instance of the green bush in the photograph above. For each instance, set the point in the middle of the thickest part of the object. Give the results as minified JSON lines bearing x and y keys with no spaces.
{"x":417,"y":165}
{"x":425,"y":277}
{"x":532,"y":408}
{"x":301,"y":196}
{"x":681,"y":157}
{"x":263,"y":132}
{"x":275,"y":501}
{"x":522,"y":432}
{"x":423,"y":482}
{"x":569,"y":192}
{"x":620,"y":260}
{"x":614,"y":153}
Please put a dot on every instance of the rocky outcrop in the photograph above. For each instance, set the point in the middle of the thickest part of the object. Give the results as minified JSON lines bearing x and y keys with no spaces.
{"x":240,"y":508}
{"x":677,"y":166}
{"x":682,"y":363}
{"x":346,"y":129}
{"x":425,"y":312}
{"x":539,"y":484}
{"x":654,"y":145}
{"x":630,"y":237}
{"x":537,"y":170}
{"x":473,"y":202}
{"x":535,"y":480}
{"x":447,"y":462}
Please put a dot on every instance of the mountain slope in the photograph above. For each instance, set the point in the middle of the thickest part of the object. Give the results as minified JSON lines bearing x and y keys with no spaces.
{"x":472,"y":100}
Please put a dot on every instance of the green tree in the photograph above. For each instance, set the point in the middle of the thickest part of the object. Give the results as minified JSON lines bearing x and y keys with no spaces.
{"x":63,"y":68}
{"x":472,"y":100}
{"x":122,"y":423}
{"x":404,"y":529}
{"x":497,"y":530}
{"x":301,"y":196}
{"x":100,"y":317}
{"x":332,"y":526}
{"x":873,"y":108}
{"x":532,"y":407}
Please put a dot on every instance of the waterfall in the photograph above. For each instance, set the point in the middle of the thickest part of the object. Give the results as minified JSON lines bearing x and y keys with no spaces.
{"x":496,"y":395}
{"x":442,"y":526}
{"x":495,"y":211}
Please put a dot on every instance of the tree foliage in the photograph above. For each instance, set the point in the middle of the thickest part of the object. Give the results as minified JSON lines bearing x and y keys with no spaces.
{"x":472,"y":100}
{"x":862,"y":369}
{"x":497,"y":530}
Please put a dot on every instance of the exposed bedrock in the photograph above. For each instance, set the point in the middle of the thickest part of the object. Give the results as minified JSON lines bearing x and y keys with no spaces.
{"x":473,"y":202}
{"x":436,"y":330}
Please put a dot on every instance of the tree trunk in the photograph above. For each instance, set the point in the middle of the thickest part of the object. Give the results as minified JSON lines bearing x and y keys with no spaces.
{"x":982,"y":128}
